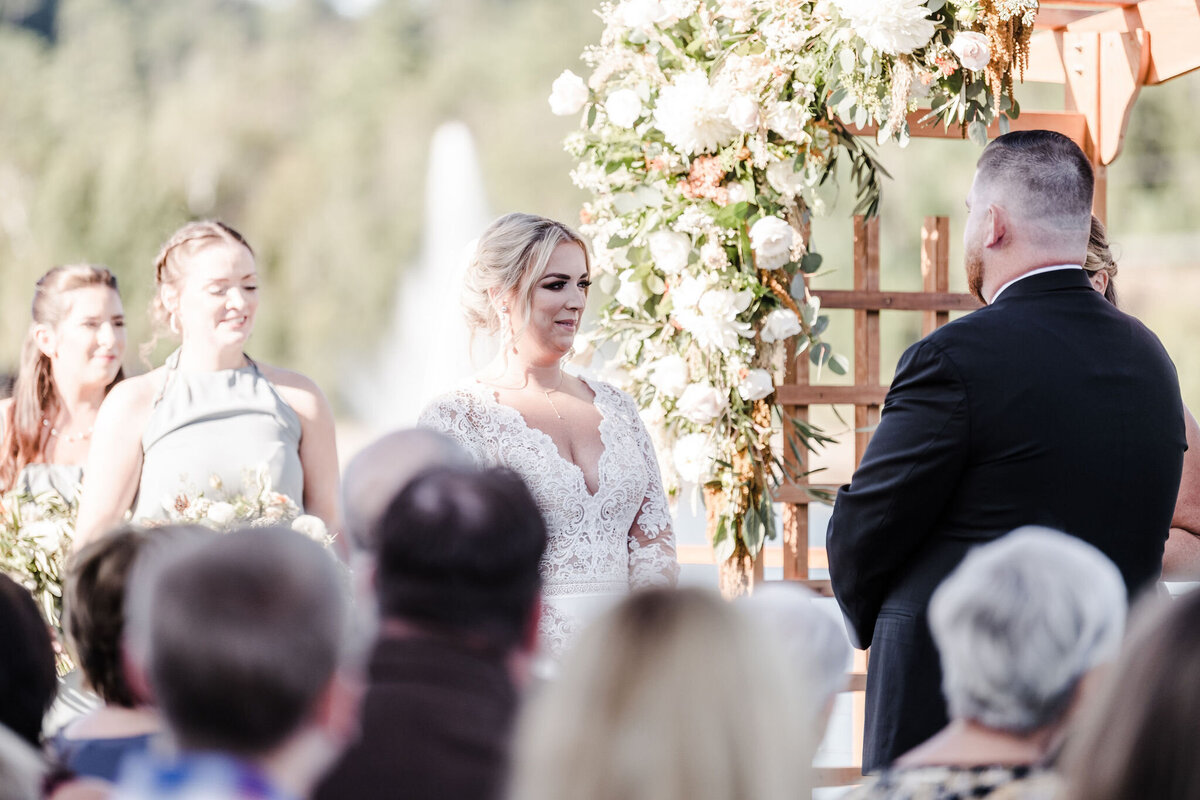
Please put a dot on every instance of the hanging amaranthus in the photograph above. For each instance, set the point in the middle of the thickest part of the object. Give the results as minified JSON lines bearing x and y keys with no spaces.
{"x":1008,"y":25}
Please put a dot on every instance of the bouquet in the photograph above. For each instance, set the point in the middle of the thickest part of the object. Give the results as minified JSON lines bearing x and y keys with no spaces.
{"x":710,"y":131}
{"x":254,"y":504}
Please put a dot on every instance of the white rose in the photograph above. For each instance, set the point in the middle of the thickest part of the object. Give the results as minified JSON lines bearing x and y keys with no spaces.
{"x":221,"y":513}
{"x":623,"y":107}
{"x":737,"y":192}
{"x":47,"y":534}
{"x":743,"y":113}
{"x":771,"y":239}
{"x":780,"y":324}
{"x":642,"y":14}
{"x":702,"y":402}
{"x":784,"y":178}
{"x":972,"y":50}
{"x":788,"y":119}
{"x":631,"y":292}
{"x":756,"y":385}
{"x":670,"y":250}
{"x":669,"y":375}
{"x":894,"y":27}
{"x":692,"y":459}
{"x":312,"y":527}
{"x":568,"y":94}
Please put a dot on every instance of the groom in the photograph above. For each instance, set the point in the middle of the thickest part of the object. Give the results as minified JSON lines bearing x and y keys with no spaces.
{"x":1046,"y":407}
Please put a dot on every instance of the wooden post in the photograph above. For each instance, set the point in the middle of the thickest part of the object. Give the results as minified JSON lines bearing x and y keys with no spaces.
{"x":935,"y":263}
{"x":866,"y":329}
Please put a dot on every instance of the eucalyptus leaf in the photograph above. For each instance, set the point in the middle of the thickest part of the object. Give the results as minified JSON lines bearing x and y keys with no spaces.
{"x":733,"y":215}
{"x":723,"y":544}
{"x":591,"y":115}
{"x":935,"y":5}
{"x":838,"y":364}
{"x":797,"y":287}
{"x":811,"y":262}
{"x":655,"y":284}
{"x":619,"y":241}
{"x":977,"y":132}
{"x":820,"y":325}
{"x":753,"y":531}
{"x":820,"y":354}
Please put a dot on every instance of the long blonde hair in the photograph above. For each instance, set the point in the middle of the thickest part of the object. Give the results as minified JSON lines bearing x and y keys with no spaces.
{"x":509,"y":258}
{"x":34,"y":396}
{"x":674,"y":695}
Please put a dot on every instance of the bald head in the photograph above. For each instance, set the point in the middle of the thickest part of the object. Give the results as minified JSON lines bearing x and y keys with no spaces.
{"x":384,"y":467}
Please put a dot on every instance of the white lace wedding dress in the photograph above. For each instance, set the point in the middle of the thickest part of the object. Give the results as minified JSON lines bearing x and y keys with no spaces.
{"x":600,"y":546}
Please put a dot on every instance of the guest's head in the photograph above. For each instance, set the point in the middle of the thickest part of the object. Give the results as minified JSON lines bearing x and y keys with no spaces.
{"x":1138,"y":739}
{"x":673,"y":695}
{"x":207,"y":286}
{"x":28,"y":680}
{"x":1020,"y":624}
{"x":252,"y":648}
{"x":21,"y":768}
{"x":528,"y":282}
{"x":1100,"y":265}
{"x":1029,"y":206}
{"x":94,"y":611}
{"x":458,"y":553}
{"x":814,"y":640}
{"x":76,"y":336}
{"x":381,"y":469}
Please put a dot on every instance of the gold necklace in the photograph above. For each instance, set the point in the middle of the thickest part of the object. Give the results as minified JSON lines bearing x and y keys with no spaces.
{"x":561,"y":376}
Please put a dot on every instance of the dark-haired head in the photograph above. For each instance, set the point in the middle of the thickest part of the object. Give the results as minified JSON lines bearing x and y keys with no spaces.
{"x":94,"y":610}
{"x":27,"y":675}
{"x":1044,"y":173}
{"x":458,"y":551}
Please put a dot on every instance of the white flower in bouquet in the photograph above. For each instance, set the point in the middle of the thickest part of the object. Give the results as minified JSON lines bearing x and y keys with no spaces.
{"x":702,"y":402}
{"x":45,"y":533}
{"x":670,"y":250}
{"x":641,"y":14}
{"x":788,"y":120}
{"x":669,"y":375}
{"x":692,"y":459}
{"x":756,"y":385}
{"x":772,"y":238}
{"x":692,"y":114}
{"x":312,"y":527}
{"x":780,"y":324}
{"x":741,"y":12}
{"x":222,"y":513}
{"x":743,"y":113}
{"x":631,"y":293}
{"x":623,"y":107}
{"x":568,"y":94}
{"x":736,"y":190}
{"x":784,"y":179}
{"x":895,"y":27}
{"x":967,"y":13}
{"x":972,"y":50}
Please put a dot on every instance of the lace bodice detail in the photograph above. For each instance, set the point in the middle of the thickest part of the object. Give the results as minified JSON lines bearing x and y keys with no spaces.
{"x":606,"y":543}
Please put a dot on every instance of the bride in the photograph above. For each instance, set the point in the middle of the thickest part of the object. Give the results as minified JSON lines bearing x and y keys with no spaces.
{"x":578,"y":443}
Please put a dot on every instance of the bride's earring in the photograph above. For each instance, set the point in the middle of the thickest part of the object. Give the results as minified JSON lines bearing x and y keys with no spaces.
{"x":173,"y":323}
{"x":505,"y":327}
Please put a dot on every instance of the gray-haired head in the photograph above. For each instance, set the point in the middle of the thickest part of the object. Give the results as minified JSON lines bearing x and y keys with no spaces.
{"x":814,"y":640}
{"x":1019,"y":624}
{"x":381,"y":469}
{"x":243,"y":633}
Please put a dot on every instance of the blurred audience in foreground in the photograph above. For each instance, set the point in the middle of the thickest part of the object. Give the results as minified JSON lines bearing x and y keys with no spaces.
{"x":1138,"y":739}
{"x":28,"y":679}
{"x":672,"y":695}
{"x":253,"y":651}
{"x":1019,"y":626}
{"x":457,"y":555}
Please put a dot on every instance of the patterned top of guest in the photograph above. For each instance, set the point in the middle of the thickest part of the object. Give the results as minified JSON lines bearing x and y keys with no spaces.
{"x":195,"y":776}
{"x":959,"y":783}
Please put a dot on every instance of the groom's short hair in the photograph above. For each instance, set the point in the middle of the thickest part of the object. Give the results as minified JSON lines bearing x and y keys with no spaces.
{"x":458,"y":552}
{"x":1044,"y":173}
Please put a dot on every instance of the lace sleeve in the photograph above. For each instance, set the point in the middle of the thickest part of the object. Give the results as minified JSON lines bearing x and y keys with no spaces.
{"x":453,"y":415}
{"x":652,"y":560}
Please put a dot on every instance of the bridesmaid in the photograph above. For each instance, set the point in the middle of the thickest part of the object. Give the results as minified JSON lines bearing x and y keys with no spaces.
{"x":211,"y":410}
{"x":71,"y":358}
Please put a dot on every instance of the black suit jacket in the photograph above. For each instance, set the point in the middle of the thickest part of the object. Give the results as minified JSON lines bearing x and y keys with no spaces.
{"x":1048,"y":407}
{"x":436,"y":725}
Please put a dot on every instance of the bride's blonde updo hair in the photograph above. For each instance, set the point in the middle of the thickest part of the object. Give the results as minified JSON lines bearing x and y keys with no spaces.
{"x":1100,"y":258}
{"x":510,"y":257}
{"x":171,"y":265}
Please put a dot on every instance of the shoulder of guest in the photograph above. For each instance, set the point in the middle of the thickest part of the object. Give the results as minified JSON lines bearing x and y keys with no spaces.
{"x":135,"y":394}
{"x":302,"y":392}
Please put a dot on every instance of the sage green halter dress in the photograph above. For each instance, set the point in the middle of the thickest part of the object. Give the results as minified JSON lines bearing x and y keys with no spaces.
{"x":223,"y":425}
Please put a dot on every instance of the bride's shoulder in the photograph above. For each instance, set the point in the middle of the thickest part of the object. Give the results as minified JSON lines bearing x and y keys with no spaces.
{"x":464,"y":398}
{"x":609,"y":393}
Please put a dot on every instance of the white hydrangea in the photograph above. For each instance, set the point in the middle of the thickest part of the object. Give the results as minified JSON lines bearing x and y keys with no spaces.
{"x":669,"y":375}
{"x":895,"y":27}
{"x":692,"y":114}
{"x":709,"y":314}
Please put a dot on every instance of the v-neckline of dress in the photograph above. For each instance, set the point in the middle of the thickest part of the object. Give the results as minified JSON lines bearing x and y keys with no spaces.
{"x":547,"y":441}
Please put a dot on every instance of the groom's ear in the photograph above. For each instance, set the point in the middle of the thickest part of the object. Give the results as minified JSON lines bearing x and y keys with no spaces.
{"x":996,"y":225}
